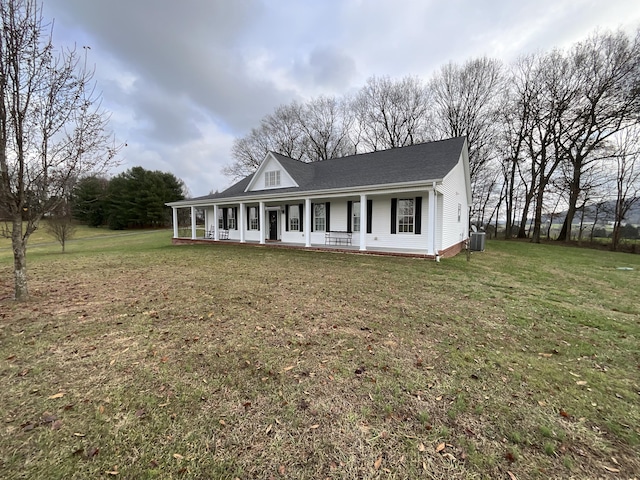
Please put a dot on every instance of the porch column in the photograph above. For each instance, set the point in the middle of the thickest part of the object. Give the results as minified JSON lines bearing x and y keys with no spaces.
{"x":263,"y":234}
{"x":242,"y":222}
{"x":307,"y":222}
{"x":216,"y":233}
{"x":175,"y":222}
{"x":431,"y":222}
{"x":363,"y":222}
{"x":193,"y":223}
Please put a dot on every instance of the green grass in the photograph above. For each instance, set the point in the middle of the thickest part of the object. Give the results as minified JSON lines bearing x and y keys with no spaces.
{"x":222,"y":361}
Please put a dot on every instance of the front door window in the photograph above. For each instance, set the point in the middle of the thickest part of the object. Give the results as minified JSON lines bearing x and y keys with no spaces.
{"x":273,"y":225}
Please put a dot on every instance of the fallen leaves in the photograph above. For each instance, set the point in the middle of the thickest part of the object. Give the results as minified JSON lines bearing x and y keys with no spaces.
{"x":377,"y":463}
{"x":56,"y":395}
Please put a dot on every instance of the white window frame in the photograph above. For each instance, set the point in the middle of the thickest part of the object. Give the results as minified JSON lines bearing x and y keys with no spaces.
{"x":294,"y":218}
{"x":355,"y":213}
{"x":319,"y":217}
{"x":231,"y":219}
{"x":254,"y":219}
{"x":406,"y":215}
{"x":272,"y":178}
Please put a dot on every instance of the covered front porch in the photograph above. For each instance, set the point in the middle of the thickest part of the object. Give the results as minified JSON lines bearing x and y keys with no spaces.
{"x":398,"y":222}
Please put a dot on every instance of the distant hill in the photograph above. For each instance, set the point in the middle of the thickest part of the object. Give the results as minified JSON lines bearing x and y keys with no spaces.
{"x":605,"y":214}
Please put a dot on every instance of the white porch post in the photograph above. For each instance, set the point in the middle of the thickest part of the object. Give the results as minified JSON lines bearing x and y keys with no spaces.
{"x":363,"y":222}
{"x":216,"y":233}
{"x":175,"y":222}
{"x":431,"y":221}
{"x":242,"y":222}
{"x":261,"y":220}
{"x":307,"y":222}
{"x":193,"y":223}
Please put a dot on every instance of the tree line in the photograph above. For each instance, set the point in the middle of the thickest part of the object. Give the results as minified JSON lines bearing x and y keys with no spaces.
{"x":133,"y":199}
{"x":552,"y":131}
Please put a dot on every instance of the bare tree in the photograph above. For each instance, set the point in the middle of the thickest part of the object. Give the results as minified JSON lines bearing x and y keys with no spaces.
{"x":325,"y":123}
{"x":466,"y":102}
{"x":60,"y":224}
{"x":278,"y":132}
{"x":606,"y":68}
{"x":390,"y":113}
{"x":52,"y":127}
{"x":627,"y":167}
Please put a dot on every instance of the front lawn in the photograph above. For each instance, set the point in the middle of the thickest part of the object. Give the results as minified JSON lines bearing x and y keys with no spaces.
{"x":139,"y":359}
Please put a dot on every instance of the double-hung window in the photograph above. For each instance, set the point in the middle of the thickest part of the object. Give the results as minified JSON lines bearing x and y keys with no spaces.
{"x":253,"y":219}
{"x":294,"y":218}
{"x":319,"y":217}
{"x":406,"y":215}
{"x":356,"y":216}
{"x":272,"y":178}
{"x":231,"y":219}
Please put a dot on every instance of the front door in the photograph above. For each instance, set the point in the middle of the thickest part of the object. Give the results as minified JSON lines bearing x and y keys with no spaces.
{"x":273,"y":225}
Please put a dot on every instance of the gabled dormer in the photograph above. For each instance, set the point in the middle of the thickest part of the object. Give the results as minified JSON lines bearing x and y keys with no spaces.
{"x":270,"y":175}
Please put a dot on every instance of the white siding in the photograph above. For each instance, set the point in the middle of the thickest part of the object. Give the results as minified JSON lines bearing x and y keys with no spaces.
{"x":381,"y":236}
{"x":270,"y":164}
{"x":454,"y":193}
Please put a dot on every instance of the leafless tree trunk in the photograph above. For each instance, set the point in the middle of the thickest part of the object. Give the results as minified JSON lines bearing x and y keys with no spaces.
{"x":627,"y":164}
{"x":52,"y":128}
{"x":606,"y":68}
{"x":61,"y":227}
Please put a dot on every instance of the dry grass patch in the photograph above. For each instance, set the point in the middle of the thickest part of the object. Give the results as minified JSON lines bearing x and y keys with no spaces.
{"x":155,"y":361}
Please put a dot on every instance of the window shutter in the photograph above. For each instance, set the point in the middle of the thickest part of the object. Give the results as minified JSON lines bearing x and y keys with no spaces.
{"x":349,"y":215}
{"x":394,"y":214}
{"x":327,"y":217}
{"x":235,"y":216}
{"x":225,"y":216}
{"x":249,"y":218}
{"x":313,"y":215}
{"x":369,"y":215}
{"x":418,"y":216}
{"x":286,"y":218}
{"x":301,"y":211}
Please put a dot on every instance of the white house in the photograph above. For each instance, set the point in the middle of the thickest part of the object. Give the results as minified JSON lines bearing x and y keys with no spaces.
{"x":412,"y":200}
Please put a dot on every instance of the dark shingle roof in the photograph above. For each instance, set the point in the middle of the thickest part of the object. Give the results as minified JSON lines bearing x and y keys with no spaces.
{"x":422,"y":162}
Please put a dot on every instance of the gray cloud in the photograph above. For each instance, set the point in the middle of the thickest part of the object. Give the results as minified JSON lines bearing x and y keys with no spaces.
{"x":326,"y":68}
{"x":184,"y":78}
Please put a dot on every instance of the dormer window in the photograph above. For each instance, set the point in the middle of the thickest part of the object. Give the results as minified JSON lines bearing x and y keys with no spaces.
{"x":272,"y":178}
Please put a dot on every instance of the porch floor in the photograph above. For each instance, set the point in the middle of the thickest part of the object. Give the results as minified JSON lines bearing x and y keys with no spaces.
{"x":353,"y":249}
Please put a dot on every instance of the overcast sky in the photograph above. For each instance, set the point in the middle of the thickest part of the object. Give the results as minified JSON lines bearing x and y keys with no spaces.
{"x":184,"y":78}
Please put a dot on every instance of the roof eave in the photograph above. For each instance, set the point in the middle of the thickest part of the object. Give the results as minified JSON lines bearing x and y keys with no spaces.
{"x":309,"y":193}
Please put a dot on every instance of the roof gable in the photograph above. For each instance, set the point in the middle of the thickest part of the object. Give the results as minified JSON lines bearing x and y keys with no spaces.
{"x":271,"y":174}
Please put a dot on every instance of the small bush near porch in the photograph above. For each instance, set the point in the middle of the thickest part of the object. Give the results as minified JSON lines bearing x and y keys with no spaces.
{"x":138,"y":359}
